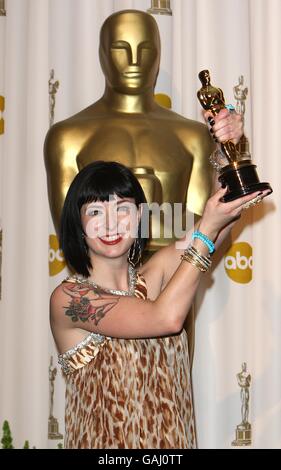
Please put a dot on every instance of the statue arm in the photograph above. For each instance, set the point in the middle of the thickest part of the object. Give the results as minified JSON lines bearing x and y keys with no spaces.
{"x":222,"y":95}
{"x":200,"y":184}
{"x":61,"y":168}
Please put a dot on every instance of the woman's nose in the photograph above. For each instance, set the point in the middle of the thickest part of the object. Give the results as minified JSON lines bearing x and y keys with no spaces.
{"x":111,"y":219}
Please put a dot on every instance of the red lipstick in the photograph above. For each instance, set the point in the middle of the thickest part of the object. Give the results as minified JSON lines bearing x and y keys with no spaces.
{"x":111,"y":242}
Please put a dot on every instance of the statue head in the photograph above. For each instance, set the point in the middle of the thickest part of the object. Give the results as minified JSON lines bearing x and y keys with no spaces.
{"x":130,"y":51}
{"x":204,"y":77}
{"x":244,"y":367}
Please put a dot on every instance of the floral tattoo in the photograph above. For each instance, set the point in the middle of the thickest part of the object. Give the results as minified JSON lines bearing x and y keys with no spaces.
{"x":87,"y":304}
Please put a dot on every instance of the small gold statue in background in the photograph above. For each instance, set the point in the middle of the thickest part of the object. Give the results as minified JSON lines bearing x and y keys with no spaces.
{"x":240,"y":94}
{"x":53,"y":88}
{"x":160,"y":7}
{"x":53,"y":426}
{"x":243,"y":430}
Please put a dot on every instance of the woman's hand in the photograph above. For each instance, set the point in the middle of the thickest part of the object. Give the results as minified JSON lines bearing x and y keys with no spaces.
{"x":218,"y":214}
{"x":225,"y":126}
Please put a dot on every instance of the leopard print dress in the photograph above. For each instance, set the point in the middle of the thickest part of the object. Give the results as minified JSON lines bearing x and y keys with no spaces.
{"x":129,"y":393}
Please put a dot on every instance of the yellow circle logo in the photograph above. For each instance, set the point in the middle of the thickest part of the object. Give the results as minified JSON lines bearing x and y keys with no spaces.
{"x":163,"y":100}
{"x":238,"y":262}
{"x":56,"y":259}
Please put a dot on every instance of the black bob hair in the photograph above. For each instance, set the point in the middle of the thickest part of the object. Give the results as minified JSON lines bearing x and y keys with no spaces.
{"x":95,"y":182}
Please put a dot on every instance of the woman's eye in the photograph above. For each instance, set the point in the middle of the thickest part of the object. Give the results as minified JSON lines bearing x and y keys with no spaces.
{"x":93,"y":212}
{"x":123,"y":209}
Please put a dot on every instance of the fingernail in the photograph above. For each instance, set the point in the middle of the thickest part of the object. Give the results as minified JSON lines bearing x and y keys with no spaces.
{"x":210,"y":118}
{"x":259,"y":194}
{"x":212,"y":122}
{"x":211,"y":130}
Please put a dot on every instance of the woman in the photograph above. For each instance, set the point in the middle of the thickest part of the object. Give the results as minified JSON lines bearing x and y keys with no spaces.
{"x":119,"y":331}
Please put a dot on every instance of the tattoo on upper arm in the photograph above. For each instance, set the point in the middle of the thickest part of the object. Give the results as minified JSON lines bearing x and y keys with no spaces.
{"x":87,"y":304}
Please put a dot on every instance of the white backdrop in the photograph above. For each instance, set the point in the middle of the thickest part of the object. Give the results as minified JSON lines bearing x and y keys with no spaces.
{"x":237,"y":321}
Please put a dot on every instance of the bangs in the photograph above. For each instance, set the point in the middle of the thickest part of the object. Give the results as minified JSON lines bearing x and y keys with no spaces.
{"x":105,"y":183}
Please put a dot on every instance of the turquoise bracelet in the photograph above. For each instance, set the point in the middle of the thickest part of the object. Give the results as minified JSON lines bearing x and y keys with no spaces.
{"x":210,"y":245}
{"x":230,"y":108}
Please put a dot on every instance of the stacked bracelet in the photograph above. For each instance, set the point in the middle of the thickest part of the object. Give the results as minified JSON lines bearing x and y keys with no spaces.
{"x":210,"y":245}
{"x":194,"y":257}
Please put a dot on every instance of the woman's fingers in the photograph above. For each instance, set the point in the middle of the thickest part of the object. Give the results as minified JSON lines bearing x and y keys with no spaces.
{"x":232,"y":205}
{"x":229,"y":128}
{"x":240,"y":203}
{"x":218,"y":214}
{"x":208,"y":114}
{"x":220,"y":193}
{"x":225,"y":125}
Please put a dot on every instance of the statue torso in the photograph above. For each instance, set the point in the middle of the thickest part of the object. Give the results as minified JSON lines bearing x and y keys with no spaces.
{"x":137,"y":143}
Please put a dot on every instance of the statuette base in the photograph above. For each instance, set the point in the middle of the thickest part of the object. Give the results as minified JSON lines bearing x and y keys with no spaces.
{"x":53,"y":429}
{"x":243,"y":435}
{"x":241,"y":178}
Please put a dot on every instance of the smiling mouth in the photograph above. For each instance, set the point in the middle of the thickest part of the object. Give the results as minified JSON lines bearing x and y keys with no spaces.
{"x":112,"y":240}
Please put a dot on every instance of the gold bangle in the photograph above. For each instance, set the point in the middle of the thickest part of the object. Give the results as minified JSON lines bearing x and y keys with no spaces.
{"x":194,"y":257}
{"x":203,"y":259}
{"x":195,"y":263}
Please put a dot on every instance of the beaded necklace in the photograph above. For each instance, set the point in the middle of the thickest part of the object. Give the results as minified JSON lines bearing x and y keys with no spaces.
{"x":132,"y":283}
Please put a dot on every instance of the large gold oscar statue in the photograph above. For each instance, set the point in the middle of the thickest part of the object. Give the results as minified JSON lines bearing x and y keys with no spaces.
{"x":168,"y":153}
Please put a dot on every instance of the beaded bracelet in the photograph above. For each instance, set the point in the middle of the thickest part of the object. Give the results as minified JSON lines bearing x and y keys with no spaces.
{"x":230,"y":108}
{"x":210,"y":245}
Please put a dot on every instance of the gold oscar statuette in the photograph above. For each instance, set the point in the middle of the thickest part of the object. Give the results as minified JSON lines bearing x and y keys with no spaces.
{"x":235,"y":172}
{"x":244,"y":430}
{"x":160,"y":7}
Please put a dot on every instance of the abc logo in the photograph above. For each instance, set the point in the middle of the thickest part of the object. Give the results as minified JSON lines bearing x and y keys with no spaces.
{"x":163,"y":100}
{"x":238,"y":262}
{"x":56,"y":259}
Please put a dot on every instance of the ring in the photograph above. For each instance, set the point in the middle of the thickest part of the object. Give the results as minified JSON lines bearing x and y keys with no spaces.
{"x":252,"y":203}
{"x":230,"y":108}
